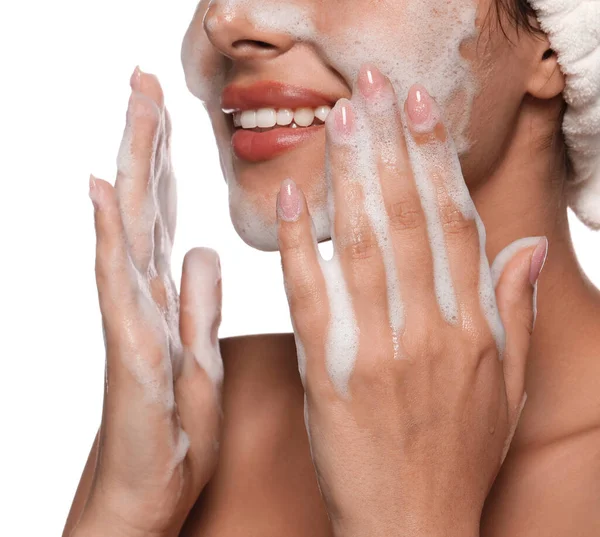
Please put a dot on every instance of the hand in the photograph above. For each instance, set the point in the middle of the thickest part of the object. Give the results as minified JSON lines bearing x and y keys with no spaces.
{"x":413,"y":365}
{"x":161,"y":421}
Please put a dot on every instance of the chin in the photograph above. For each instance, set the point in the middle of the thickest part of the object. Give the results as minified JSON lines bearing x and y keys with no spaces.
{"x":254,"y":187}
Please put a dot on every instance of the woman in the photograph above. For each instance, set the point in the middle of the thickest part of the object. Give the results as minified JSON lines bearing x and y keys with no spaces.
{"x":164,"y":461}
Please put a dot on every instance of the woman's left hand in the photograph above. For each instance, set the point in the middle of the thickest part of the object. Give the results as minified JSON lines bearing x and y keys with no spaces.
{"x":412,"y":362}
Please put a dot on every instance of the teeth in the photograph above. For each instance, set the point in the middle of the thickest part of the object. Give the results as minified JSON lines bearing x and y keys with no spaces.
{"x":285,"y":116}
{"x":266,"y":118}
{"x":303,"y":117}
{"x":322,"y":112}
{"x":249,"y":119}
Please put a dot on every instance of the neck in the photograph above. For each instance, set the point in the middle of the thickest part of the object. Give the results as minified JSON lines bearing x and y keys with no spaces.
{"x":522,"y":198}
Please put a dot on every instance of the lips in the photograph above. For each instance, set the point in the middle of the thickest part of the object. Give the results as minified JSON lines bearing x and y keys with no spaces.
{"x":269,"y":94}
{"x":257,"y":145}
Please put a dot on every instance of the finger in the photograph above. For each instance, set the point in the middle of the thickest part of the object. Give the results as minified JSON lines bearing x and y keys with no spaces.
{"x":304,"y":282}
{"x":114,"y":275}
{"x":135,"y":177}
{"x":166,"y":184}
{"x":359,"y":223}
{"x":406,"y":218}
{"x":138,"y":369}
{"x":515,"y":273}
{"x":198,"y":387}
{"x":162,"y":173}
{"x":200,"y":310}
{"x":455,"y":230}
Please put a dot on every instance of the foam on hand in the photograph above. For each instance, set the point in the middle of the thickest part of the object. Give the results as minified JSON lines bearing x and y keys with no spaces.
{"x":428,"y":27}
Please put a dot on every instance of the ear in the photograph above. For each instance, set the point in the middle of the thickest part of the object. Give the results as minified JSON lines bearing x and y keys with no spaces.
{"x":546,"y":80}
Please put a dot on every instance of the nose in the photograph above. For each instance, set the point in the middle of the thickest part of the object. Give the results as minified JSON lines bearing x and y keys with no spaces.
{"x":234,"y":36}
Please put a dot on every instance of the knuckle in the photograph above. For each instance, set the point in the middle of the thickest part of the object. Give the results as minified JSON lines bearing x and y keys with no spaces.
{"x":405,"y":215}
{"x":454,"y":222}
{"x":303,"y":297}
{"x":361,"y":245}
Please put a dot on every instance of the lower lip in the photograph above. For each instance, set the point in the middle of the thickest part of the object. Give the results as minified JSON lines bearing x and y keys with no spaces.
{"x":254,"y":146}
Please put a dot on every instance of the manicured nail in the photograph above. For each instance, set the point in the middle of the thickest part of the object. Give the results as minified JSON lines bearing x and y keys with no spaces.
{"x":94,"y":192}
{"x":288,"y":201}
{"x":370,"y":81}
{"x":341,"y":120}
{"x":135,"y":80}
{"x":420,"y":109}
{"x":538,"y":260}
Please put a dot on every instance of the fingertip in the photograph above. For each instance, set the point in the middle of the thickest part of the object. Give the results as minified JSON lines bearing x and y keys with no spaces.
{"x":150,"y":86}
{"x":289,"y":201}
{"x":423,"y":115}
{"x":203,"y":260}
{"x":515,"y":260}
{"x":538,"y":260}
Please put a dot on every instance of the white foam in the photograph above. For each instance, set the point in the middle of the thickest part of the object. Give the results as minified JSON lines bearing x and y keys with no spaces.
{"x":203,"y":305}
{"x":428,"y":46}
{"x":342,"y":338}
{"x":428,"y":51}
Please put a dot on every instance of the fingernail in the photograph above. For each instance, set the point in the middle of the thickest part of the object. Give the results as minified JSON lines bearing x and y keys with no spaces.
{"x":370,"y":81}
{"x":538,"y":260}
{"x":135,"y":80}
{"x":93,"y":193}
{"x":420,"y":109}
{"x":341,"y":120}
{"x":288,"y":201}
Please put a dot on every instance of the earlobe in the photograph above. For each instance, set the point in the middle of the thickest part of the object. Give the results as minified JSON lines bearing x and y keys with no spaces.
{"x":547,"y":80}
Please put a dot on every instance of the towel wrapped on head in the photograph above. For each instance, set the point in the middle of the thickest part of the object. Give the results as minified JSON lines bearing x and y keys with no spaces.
{"x":573,"y":28}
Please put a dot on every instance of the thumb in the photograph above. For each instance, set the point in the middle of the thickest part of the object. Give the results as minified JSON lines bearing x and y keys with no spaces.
{"x":198,"y":386}
{"x":515,"y":273}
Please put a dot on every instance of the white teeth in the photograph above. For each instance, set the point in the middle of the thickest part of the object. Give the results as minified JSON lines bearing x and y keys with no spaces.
{"x":303,"y":117}
{"x":322,"y":112}
{"x":285,"y":116}
{"x":249,"y":119}
{"x":266,"y":118}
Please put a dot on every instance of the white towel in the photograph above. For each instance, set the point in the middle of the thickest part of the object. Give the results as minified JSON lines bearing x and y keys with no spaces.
{"x":573,"y":28}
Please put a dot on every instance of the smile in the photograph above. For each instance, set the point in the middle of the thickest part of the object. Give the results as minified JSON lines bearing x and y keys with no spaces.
{"x":270,"y":118}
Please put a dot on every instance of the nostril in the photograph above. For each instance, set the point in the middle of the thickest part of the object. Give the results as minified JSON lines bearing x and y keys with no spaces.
{"x":247,"y":44}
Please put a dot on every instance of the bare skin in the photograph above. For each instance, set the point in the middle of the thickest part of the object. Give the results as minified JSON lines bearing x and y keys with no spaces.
{"x":548,"y":484}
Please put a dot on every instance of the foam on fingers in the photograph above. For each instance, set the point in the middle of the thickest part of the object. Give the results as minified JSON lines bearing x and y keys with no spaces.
{"x":200,"y":310}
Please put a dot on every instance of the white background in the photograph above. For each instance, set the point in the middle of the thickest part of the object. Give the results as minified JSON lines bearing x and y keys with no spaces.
{"x":64,"y":89}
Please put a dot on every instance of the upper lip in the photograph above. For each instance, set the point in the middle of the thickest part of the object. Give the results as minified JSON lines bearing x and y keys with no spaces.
{"x":271,"y":94}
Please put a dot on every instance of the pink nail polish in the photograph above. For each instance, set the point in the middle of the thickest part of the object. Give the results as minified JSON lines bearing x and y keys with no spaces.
{"x":288,"y":201}
{"x":93,"y":192}
{"x":135,"y":80}
{"x":343,"y":120}
{"x":538,"y":260}
{"x":420,"y":109}
{"x":370,"y":81}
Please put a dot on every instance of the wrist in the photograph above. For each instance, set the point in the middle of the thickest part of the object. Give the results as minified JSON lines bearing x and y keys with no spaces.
{"x":406,"y":524}
{"x":97,"y":521}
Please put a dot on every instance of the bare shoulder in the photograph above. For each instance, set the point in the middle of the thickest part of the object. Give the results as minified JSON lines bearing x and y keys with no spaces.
{"x":265,"y":483}
{"x":548,"y":490}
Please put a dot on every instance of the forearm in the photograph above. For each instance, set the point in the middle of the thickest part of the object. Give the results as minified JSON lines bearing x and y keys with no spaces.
{"x":83,"y":491}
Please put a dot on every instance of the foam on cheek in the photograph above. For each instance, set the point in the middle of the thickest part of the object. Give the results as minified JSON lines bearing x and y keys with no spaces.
{"x":419,"y":44}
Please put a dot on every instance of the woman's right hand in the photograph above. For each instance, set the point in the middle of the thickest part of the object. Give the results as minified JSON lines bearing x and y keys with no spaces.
{"x":158,"y":441}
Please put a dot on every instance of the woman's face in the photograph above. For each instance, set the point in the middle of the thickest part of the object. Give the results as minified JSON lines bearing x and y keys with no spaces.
{"x":287,"y":61}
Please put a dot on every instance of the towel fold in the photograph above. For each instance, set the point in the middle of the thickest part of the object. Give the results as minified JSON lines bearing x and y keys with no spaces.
{"x":573,"y":28}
